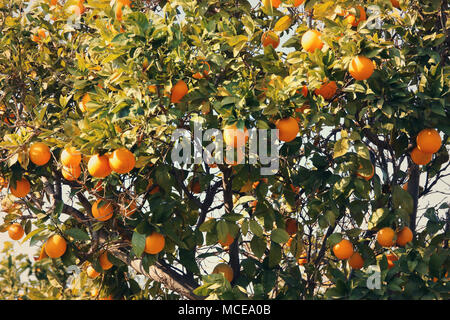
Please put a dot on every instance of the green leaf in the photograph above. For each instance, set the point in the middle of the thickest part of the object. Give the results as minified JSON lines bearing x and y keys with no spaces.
{"x":402,"y":199}
{"x":274,"y":254}
{"x":258,"y":246}
{"x":279,"y":236}
{"x":256,"y":228}
{"x":138,"y":243}
{"x":77,"y":234}
{"x":222,"y":230}
{"x":340,"y":147}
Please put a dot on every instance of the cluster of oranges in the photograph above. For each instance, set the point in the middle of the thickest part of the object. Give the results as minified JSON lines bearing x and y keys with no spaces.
{"x":386,"y":237}
{"x":428,"y":142}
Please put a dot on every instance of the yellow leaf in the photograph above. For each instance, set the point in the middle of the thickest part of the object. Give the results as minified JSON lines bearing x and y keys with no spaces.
{"x":283,"y":23}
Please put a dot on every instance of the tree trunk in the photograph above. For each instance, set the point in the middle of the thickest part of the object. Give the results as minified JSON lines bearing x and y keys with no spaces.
{"x":413,"y":189}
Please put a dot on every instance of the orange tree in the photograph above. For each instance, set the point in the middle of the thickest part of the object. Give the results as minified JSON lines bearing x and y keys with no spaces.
{"x":92,"y":91}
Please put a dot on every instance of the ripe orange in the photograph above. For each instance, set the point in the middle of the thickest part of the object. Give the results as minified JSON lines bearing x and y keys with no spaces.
{"x":98,"y":166}
{"x":294,"y":189}
{"x":39,"y":153}
{"x":304,"y":91}
{"x":15,"y":231}
{"x":234,"y":137}
{"x":303,"y":259}
{"x":327,"y":90}
{"x":385,"y":237}
{"x":224,"y":269}
{"x":419,"y":157}
{"x":361,"y":68}
{"x":70,"y":156}
{"x":270,"y":38}
{"x":103,"y":213}
{"x":55,"y":246}
{"x":404,"y":236}
{"x":291,"y":226}
{"x":154,"y":243}
{"x":22,"y":188}
{"x":288,"y":129}
{"x":351,"y":19}
{"x":179,"y":90}
{"x":311,"y":41}
{"x":356,"y":261}
{"x":91,"y":272}
{"x":391,"y":258}
{"x":429,"y":141}
{"x":71,"y":173}
{"x":298,"y":2}
{"x":86,"y":98}
{"x":122,"y":161}
{"x":119,"y":13}
{"x":395,"y":3}
{"x":228,"y":241}
{"x":104,"y":262}
{"x":343,"y":250}
{"x":125,"y":3}
{"x":276,"y":3}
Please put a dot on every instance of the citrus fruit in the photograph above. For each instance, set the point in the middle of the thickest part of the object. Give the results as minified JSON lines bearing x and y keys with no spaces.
{"x":270,"y":38}
{"x":55,"y":246}
{"x":22,"y":188}
{"x":122,"y":161}
{"x":419,"y":157}
{"x":104,"y":211}
{"x":404,"y":236}
{"x":429,"y":141}
{"x":361,"y":68}
{"x":39,"y":153}
{"x":287,"y":129}
{"x":356,"y":261}
{"x":154,"y":243}
{"x":15,"y":231}
{"x":98,"y":166}
{"x":224,"y":269}
{"x":343,"y":249}
{"x":104,"y":262}
{"x":311,"y":40}
{"x":71,"y":173}
{"x":234,"y":137}
{"x":179,"y":90}
{"x":385,"y":237}
{"x":70,"y":156}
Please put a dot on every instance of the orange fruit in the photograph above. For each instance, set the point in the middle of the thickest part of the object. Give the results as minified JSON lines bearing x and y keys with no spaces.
{"x":103,"y":213}
{"x":395,"y":3}
{"x":91,"y":272}
{"x":154,"y":243}
{"x":311,"y":41}
{"x":22,"y":188}
{"x":3,"y":183}
{"x":130,"y":208}
{"x":385,"y":237}
{"x":98,"y":166}
{"x":55,"y":246}
{"x":179,"y":90}
{"x":298,"y":2}
{"x":294,"y":189}
{"x":194,"y":186}
{"x":356,"y":261}
{"x":343,"y":250}
{"x":122,"y":161}
{"x":304,"y":91}
{"x":419,"y":157}
{"x":119,"y":13}
{"x":15,"y":231}
{"x":104,"y":262}
{"x":327,"y":90}
{"x":39,"y":153}
{"x":391,"y":258}
{"x":351,"y":19}
{"x":287,"y":129}
{"x":361,"y":68}
{"x":71,"y":173}
{"x":150,"y":185}
{"x":238,"y":157}
{"x":270,"y":38}
{"x":234,"y":137}
{"x":229,"y":240}
{"x":303,"y":259}
{"x":224,"y":269}
{"x":86,"y":98}
{"x":276,"y":3}
{"x":206,"y":68}
{"x":70,"y":156}
{"x":364,"y":176}
{"x":152,"y":88}
{"x":405,"y":186}
{"x":404,"y":236}
{"x":429,"y":141}
{"x":291,"y":226}
{"x":125,"y":3}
